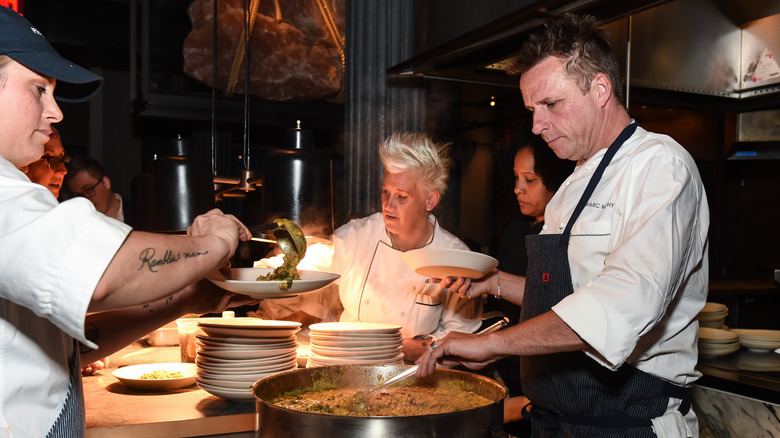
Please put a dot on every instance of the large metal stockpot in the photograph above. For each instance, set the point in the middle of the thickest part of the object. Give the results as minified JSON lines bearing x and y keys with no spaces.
{"x":276,"y":422}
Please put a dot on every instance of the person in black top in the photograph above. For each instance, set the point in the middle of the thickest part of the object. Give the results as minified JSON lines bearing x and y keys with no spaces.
{"x":538,"y":174}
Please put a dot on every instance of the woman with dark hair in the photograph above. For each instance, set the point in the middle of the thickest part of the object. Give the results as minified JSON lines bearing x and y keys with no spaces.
{"x":538,"y":174}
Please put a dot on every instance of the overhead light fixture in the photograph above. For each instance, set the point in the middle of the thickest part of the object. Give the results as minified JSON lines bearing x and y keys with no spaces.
{"x":247,"y":181}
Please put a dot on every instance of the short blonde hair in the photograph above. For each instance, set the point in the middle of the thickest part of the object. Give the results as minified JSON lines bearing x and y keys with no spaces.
{"x":416,"y":153}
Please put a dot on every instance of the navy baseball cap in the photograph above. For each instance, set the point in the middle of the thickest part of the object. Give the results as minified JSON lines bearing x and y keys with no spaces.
{"x":26,"y":45}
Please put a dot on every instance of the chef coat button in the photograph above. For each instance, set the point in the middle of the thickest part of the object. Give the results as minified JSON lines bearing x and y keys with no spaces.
{"x":566,"y":183}
{"x":562,"y":225}
{"x":544,"y":227}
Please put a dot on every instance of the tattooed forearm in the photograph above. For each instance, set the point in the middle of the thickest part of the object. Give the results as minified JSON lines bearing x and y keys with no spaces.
{"x":189,"y":255}
{"x":147,"y":259}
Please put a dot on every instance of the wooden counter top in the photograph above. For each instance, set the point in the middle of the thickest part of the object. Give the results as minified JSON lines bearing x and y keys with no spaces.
{"x":113,"y":409}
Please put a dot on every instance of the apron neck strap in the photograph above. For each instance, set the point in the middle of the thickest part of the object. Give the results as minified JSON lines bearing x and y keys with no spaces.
{"x":627,"y":132}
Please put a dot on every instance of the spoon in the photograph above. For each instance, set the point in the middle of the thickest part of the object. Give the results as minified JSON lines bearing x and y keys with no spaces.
{"x":359,"y":399}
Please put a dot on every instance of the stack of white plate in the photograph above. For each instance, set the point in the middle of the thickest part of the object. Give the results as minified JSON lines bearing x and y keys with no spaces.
{"x":361,"y":343}
{"x":234,"y":353}
{"x":759,"y":341}
{"x":717,"y":342}
{"x":713,"y":315}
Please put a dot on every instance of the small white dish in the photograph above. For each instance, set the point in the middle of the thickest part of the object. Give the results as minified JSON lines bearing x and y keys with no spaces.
{"x":130,"y":376}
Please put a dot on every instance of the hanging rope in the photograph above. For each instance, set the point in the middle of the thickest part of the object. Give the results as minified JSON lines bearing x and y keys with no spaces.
{"x":238,"y":57}
{"x":327,"y":14}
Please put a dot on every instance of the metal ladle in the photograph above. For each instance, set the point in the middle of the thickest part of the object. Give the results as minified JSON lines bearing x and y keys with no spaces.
{"x":289,"y":236}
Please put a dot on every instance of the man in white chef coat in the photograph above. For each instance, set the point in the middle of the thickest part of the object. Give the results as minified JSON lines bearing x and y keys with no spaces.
{"x":607,"y":338}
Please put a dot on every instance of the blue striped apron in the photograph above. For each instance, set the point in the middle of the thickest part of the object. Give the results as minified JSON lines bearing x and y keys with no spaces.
{"x":71,"y":422}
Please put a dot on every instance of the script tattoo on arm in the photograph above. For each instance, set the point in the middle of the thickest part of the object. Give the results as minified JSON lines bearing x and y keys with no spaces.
{"x":148,"y":259}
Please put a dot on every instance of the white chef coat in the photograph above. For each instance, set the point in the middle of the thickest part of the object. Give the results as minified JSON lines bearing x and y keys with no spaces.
{"x":377,"y":286}
{"x":51,"y":258}
{"x":638,"y":257}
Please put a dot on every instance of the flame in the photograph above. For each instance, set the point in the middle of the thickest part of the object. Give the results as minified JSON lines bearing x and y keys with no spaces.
{"x":318,"y":255}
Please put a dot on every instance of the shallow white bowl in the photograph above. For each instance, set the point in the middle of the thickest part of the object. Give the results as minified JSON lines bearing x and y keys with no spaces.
{"x":129,"y":376}
{"x":440,"y":263}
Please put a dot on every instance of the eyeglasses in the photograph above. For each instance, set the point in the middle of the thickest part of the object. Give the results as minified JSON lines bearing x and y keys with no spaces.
{"x":89,"y":192}
{"x":53,"y":161}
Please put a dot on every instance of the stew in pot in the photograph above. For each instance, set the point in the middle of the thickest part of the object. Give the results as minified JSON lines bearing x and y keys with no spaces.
{"x":394,"y":401}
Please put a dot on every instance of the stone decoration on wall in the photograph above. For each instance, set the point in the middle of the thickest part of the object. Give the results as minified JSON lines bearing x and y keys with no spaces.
{"x":294,"y":55}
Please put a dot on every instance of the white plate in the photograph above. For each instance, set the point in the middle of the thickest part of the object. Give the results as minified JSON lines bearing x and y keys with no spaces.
{"x":710,"y":307}
{"x":228,"y":394}
{"x":758,"y":334}
{"x":354,"y":352}
{"x":250,"y":323}
{"x":440,"y":263}
{"x":236,"y":382}
{"x":373,"y":357}
{"x":247,"y":366}
{"x":244,"y":371}
{"x":355,"y":336}
{"x":246,"y":354}
{"x":340,"y":361}
{"x":314,"y":363}
{"x":718,"y":351}
{"x":356,"y":328}
{"x":129,"y":375}
{"x":249,"y":342}
{"x":208,"y":358}
{"x":215,"y":344}
{"x":717,"y":335}
{"x":357,"y":343}
{"x":249,"y":333}
{"x":244,"y":281}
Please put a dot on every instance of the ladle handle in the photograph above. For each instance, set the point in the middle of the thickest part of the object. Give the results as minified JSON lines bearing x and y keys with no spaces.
{"x":498,"y":325}
{"x":400,"y":376}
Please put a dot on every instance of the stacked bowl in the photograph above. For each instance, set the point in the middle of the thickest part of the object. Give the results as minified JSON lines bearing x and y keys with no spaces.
{"x":713,"y":315}
{"x":354,"y":343}
{"x":759,"y":341}
{"x":234,"y":353}
{"x":716,"y":342}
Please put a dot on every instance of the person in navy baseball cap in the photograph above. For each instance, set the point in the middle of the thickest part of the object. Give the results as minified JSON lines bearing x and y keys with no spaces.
{"x":22,"y":42}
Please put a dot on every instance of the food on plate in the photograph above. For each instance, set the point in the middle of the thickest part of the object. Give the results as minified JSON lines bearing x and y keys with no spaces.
{"x":293,"y":243}
{"x":394,"y":401}
{"x":161,"y":374}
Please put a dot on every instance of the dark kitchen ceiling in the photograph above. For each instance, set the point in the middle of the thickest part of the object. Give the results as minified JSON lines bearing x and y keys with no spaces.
{"x":480,"y":55}
{"x":91,"y":33}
